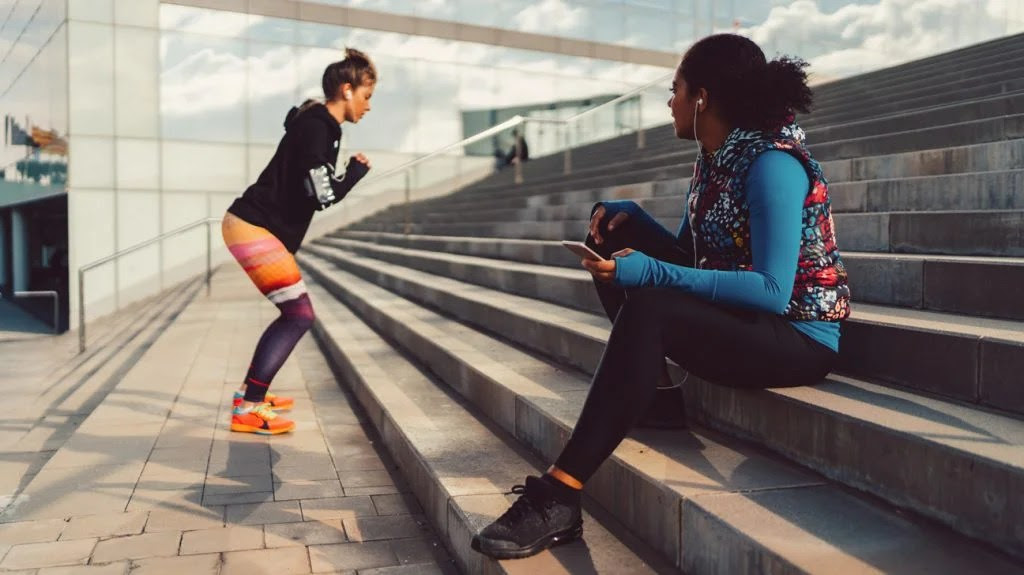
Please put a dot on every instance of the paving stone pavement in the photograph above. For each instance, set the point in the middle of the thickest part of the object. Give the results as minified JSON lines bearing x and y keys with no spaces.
{"x":152,"y":481}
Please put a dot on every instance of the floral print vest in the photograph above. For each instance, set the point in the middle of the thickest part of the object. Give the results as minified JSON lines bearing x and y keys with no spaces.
{"x":720,"y":220}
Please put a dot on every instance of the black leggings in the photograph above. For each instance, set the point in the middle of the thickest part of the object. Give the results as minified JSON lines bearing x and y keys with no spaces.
{"x":722,"y":344}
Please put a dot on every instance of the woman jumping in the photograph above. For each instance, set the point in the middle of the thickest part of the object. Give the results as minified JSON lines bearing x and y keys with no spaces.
{"x":264,"y":228}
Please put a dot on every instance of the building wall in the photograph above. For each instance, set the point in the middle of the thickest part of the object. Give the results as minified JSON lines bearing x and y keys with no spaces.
{"x":176,"y":106}
{"x":114,"y":179}
{"x":176,"y":109}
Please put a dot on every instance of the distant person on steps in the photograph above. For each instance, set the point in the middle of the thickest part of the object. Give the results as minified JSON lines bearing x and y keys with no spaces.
{"x":519,"y":152}
{"x":749,"y":293}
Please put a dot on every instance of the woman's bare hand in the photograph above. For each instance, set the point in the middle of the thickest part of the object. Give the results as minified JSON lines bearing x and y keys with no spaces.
{"x":595,"y":223}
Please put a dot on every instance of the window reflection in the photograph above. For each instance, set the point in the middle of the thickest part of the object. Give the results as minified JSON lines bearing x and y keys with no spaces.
{"x":231,"y":77}
{"x":203,"y":88}
{"x":273,"y":88}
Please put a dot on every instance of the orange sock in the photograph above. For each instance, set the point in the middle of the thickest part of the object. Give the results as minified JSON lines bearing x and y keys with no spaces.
{"x":565,"y":478}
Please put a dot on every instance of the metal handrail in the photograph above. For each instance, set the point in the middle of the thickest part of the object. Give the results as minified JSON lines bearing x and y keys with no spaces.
{"x":516,"y":121}
{"x":507,"y":124}
{"x":627,"y":96}
{"x":513,"y":122}
{"x":92,"y":265}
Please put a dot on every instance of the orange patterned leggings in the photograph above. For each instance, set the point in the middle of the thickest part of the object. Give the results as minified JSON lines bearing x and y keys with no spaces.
{"x":276,"y":274}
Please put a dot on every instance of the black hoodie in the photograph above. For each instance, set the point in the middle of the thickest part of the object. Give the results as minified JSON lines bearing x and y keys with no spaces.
{"x":278,"y":200}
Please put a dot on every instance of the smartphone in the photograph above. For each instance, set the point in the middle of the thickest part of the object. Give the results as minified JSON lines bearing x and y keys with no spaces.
{"x":581,"y":249}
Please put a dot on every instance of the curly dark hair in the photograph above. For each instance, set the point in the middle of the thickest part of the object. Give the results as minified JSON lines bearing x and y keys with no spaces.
{"x":749,"y":91}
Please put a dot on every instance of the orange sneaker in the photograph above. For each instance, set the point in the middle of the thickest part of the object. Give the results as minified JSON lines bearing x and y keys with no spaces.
{"x":260,"y":419}
{"x":277,"y":402}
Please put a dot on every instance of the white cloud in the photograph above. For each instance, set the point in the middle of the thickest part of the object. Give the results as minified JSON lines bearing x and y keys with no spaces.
{"x":198,"y":21}
{"x":550,"y":16}
{"x":861,"y":36}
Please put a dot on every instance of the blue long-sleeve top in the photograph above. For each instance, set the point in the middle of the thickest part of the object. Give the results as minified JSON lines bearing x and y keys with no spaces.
{"x":777,"y":186}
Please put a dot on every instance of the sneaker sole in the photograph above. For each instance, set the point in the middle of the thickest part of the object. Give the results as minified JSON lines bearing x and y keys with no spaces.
{"x":274,"y":407}
{"x":487,"y":547}
{"x":242,"y":428}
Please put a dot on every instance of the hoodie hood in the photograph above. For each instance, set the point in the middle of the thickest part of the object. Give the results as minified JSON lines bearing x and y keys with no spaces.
{"x":318,"y":111}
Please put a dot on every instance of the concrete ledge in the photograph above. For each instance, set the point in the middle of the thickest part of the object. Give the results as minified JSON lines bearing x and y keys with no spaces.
{"x":458,"y":468}
{"x":542,"y":418}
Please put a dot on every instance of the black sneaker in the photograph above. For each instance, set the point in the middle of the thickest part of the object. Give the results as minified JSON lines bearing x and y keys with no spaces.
{"x":667,"y":411}
{"x":542,"y":517}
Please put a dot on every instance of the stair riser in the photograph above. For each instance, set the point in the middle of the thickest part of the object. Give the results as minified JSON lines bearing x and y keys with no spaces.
{"x":659,"y":523}
{"x":998,"y":234}
{"x":939,"y":285}
{"x":939,"y":482}
{"x":931,"y":361}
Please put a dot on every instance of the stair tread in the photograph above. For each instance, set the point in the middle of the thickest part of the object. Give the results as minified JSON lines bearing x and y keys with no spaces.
{"x":474,"y":466}
{"x":699,"y":466}
{"x":919,"y":319}
{"x":971,"y":430}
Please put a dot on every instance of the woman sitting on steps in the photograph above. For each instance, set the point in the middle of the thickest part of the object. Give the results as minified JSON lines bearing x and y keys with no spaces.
{"x":750,"y":293}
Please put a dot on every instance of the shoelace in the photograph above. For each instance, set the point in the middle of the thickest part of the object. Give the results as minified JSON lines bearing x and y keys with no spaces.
{"x":265,"y":411}
{"x":523,"y":505}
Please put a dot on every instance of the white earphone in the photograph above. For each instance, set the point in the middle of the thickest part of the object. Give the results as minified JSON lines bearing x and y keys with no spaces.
{"x":696,"y":108}
{"x":348,"y":94}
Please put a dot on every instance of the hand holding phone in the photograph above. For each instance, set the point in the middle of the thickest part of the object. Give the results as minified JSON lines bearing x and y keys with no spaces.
{"x":581,"y":249}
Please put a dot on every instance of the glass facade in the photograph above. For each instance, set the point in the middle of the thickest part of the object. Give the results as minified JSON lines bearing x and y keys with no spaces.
{"x":230,"y":78}
{"x":840,"y":37}
{"x":34,"y":152}
{"x":151,"y":115}
{"x":34,"y":93}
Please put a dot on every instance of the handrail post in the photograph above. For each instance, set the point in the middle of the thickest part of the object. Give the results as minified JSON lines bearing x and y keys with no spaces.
{"x":81,"y":310}
{"x":568,"y":149}
{"x":408,"y":204}
{"x":209,"y":256}
{"x":640,"y":137}
{"x":519,"y":161}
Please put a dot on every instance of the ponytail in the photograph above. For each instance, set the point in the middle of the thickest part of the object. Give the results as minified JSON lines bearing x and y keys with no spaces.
{"x":783,"y":92}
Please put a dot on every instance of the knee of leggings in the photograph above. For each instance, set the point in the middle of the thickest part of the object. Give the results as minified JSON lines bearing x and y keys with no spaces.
{"x":645,"y":304}
{"x":301,"y":316}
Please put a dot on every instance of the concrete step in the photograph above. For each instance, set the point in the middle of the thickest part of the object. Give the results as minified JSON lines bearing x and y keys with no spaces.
{"x":1002,"y":104}
{"x":974,"y":233}
{"x":892,"y":113}
{"x":848,"y":121}
{"x":660,"y":483}
{"x":961,"y":192}
{"x":988,"y":157}
{"x":926,"y":138}
{"x":962,"y":285}
{"x":994,"y":189}
{"x":945,"y":73}
{"x":969,"y":359}
{"x":857,"y":115}
{"x":459,"y":468}
{"x":962,"y":59}
{"x":921,"y":98}
{"x":885,"y":420}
